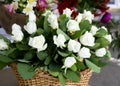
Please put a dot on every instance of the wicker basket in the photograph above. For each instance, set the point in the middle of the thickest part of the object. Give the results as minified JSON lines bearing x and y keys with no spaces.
{"x":44,"y":79}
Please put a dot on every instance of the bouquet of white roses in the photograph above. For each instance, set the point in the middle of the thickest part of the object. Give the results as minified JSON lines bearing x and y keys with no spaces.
{"x":61,"y":45}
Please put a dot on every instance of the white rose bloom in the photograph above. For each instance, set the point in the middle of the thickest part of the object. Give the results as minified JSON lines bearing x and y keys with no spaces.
{"x":100,"y":52}
{"x":30,"y":27}
{"x":109,"y":38}
{"x":87,"y":15}
{"x":87,"y":39}
{"x":78,"y":18}
{"x":38,"y":42}
{"x":67,"y":12}
{"x":74,"y":46}
{"x":17,"y":34}
{"x":84,"y":53}
{"x":3,"y":45}
{"x":94,"y":29}
{"x":32,"y":17}
{"x":32,"y":2}
{"x":52,"y":19}
{"x":59,"y":40}
{"x":73,"y":25}
{"x":69,"y":62}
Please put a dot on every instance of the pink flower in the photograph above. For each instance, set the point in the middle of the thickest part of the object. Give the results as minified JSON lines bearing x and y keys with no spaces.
{"x":10,"y":8}
{"x":41,"y":4}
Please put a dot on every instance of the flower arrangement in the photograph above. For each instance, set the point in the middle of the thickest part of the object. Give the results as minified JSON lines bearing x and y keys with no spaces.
{"x":61,"y":45}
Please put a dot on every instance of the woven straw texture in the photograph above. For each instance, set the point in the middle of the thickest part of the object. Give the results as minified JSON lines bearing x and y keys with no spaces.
{"x":44,"y":79}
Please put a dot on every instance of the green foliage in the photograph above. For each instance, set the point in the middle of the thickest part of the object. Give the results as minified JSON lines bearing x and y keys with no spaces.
{"x":92,"y":66}
{"x":72,"y":75}
{"x":25,"y":70}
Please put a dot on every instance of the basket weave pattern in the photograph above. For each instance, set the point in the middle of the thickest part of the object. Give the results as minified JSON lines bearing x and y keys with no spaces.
{"x":44,"y":79}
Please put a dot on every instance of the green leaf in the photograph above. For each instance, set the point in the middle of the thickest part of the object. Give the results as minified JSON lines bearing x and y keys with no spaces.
{"x":63,"y":23}
{"x":46,"y":25}
{"x":64,"y":53}
{"x":72,"y":75}
{"x":42,"y":55}
{"x":92,"y":66}
{"x":22,"y":46}
{"x":80,"y":65}
{"x":101,"y":33}
{"x":61,"y":79}
{"x":47,"y":60}
{"x":85,"y":25}
{"x":54,"y":66}
{"x":77,"y":34}
{"x":103,"y":42}
{"x":25,"y":70}
{"x":39,"y":31}
{"x":97,"y":45}
{"x":59,"y":31}
{"x":74,"y":68}
{"x":23,"y":61}
{"x":29,"y":55}
{"x":108,"y":55}
{"x":7,"y":52}
{"x":5,"y":59}
{"x":53,"y":73}
{"x":2,"y":65}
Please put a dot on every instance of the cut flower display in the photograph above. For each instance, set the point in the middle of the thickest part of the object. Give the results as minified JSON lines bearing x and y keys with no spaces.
{"x":60,"y":45}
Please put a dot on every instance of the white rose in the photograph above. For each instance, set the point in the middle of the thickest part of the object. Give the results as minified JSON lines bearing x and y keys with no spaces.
{"x":59,"y":41}
{"x":69,"y":62}
{"x":73,"y":25}
{"x":79,"y":18}
{"x":52,"y":19}
{"x":94,"y":29}
{"x":109,"y":38}
{"x":30,"y":27}
{"x":74,"y":46}
{"x":3,"y":45}
{"x":100,"y":52}
{"x":32,"y":17}
{"x":84,"y":53}
{"x":87,"y":15}
{"x":38,"y":42}
{"x":87,"y":39}
{"x":67,"y":12}
{"x":17,"y":34}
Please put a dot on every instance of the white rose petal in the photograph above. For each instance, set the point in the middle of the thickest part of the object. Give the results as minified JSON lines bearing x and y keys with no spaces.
{"x":30,"y":27}
{"x":74,"y":46}
{"x":3,"y":45}
{"x":79,"y":17}
{"x":94,"y":29}
{"x":38,"y":42}
{"x":100,"y":52}
{"x":87,"y":39}
{"x":32,"y":17}
{"x":67,"y":12}
{"x":59,"y":40}
{"x":109,"y":38}
{"x":52,"y":19}
{"x":17,"y":34}
{"x":84,"y":53}
{"x":87,"y":15}
{"x":73,"y":25}
{"x":69,"y":61}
